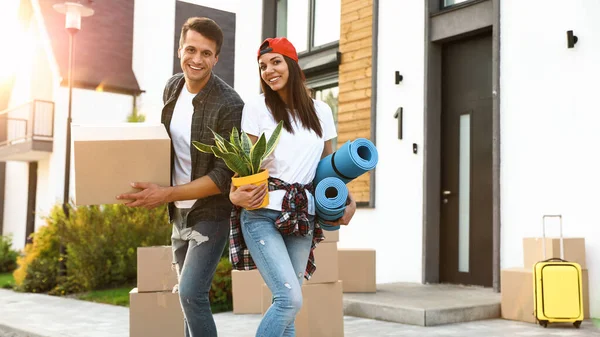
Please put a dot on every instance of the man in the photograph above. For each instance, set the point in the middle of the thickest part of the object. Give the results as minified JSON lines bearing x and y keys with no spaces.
{"x":198,"y":201}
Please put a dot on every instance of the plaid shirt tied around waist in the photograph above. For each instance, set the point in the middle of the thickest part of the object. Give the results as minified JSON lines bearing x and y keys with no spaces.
{"x":292,"y":221}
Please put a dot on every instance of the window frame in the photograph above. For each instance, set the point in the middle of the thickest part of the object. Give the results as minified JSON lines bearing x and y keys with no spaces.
{"x":310,"y":47}
{"x":443,"y":7}
{"x":325,"y":82}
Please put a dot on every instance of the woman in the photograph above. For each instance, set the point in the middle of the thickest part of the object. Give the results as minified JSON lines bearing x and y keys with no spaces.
{"x":279,"y":239}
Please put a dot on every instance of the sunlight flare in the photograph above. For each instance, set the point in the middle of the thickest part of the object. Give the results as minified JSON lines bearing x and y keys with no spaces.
{"x":12,"y":40}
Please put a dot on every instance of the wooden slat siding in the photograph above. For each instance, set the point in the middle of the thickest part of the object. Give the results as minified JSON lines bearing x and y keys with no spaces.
{"x":354,"y":101}
{"x":353,"y":115}
{"x":350,"y":107}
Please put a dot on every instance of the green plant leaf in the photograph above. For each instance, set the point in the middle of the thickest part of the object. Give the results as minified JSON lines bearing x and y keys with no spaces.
{"x":273,"y":140}
{"x":233,"y":161}
{"x":257,"y":152}
{"x":246,"y":144}
{"x":235,"y":138}
{"x":219,"y":141}
{"x":203,"y":147}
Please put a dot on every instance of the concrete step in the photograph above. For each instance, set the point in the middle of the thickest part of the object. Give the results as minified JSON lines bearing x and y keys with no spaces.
{"x":424,"y":305}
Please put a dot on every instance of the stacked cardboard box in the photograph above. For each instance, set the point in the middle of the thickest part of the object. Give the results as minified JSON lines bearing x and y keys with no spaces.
{"x":357,"y":270}
{"x":246,"y":288}
{"x":154,"y":310}
{"x":322,"y":313}
{"x":517,"y":283}
{"x":247,"y":284}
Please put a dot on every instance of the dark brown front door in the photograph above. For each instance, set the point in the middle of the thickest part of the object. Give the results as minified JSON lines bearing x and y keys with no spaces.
{"x":466,"y":181}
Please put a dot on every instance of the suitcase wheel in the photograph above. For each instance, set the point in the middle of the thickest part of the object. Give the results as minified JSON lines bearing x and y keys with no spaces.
{"x":577,"y":324}
{"x":544,"y":323}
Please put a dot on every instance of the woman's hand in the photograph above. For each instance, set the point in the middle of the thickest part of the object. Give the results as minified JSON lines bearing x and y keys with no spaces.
{"x":348,"y":214}
{"x":248,"y":196}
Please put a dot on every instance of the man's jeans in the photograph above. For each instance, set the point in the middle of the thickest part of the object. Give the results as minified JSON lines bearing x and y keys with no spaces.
{"x":281,"y":261}
{"x":196,"y":252}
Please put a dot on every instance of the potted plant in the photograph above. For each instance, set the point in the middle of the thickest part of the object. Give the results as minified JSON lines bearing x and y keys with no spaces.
{"x":243,"y":157}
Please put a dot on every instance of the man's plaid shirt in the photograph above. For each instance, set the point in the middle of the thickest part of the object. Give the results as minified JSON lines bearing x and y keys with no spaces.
{"x":292,"y":221}
{"x":217,"y":106}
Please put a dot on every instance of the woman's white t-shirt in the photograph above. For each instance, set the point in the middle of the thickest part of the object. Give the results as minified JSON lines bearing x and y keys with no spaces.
{"x":297,"y":155}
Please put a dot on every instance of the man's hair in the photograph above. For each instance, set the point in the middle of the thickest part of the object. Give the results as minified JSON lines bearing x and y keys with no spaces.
{"x":205,"y":26}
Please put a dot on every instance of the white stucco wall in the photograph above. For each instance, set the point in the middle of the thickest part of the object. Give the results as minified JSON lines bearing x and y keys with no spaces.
{"x":15,"y":202}
{"x":394,"y":227}
{"x":153,"y":54}
{"x":549,"y":121}
{"x":34,"y":79}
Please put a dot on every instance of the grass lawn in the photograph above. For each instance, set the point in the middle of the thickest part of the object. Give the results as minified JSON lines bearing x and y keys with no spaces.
{"x":120,"y":296}
{"x":115,"y":296}
{"x":7,"y":281}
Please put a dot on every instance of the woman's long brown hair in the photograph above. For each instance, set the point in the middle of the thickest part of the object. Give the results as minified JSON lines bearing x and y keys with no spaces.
{"x":300,"y":105}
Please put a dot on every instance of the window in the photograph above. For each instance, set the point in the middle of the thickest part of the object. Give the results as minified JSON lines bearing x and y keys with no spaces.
{"x":329,"y":95}
{"x":309,"y":24}
{"x":313,"y":26}
{"x":447,"y":3}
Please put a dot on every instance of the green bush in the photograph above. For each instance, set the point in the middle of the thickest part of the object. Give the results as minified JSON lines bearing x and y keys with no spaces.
{"x":38,"y":268}
{"x":100,"y":248}
{"x":8,"y":257}
{"x":220,"y":290}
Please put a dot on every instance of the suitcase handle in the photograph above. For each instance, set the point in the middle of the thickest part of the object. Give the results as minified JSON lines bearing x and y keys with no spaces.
{"x":562,"y":252}
{"x":555,"y":259}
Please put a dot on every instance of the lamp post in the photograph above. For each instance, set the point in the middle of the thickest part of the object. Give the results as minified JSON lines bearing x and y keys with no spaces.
{"x":73,"y":13}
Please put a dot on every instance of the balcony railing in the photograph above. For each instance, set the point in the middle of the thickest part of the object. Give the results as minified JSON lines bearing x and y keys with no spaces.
{"x":26,"y":128}
{"x":30,"y":121}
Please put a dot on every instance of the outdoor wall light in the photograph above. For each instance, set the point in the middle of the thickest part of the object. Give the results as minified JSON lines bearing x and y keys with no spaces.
{"x":571,"y":39}
{"x":399,"y":77}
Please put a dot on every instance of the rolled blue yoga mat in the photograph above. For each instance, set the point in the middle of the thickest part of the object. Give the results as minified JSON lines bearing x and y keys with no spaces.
{"x":330,"y":200}
{"x":349,"y":162}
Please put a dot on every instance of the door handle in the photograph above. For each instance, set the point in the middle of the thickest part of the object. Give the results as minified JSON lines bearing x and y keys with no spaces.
{"x":446,"y":193}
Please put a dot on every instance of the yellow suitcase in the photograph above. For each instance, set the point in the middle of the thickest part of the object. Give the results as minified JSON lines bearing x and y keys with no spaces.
{"x":557,"y":285}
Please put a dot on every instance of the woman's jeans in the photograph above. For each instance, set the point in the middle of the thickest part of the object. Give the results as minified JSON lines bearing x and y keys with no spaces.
{"x":196,"y":252}
{"x":281,"y":261}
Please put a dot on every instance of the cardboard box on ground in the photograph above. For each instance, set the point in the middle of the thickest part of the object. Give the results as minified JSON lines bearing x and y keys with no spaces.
{"x":246,"y":288}
{"x":154,"y":310}
{"x":155,"y":270}
{"x":322,"y":313}
{"x":247,"y":284}
{"x":517,"y":294}
{"x":517,"y":283}
{"x":357,"y":269}
{"x":155,"y":314}
{"x":533,"y":252}
{"x":107,"y":159}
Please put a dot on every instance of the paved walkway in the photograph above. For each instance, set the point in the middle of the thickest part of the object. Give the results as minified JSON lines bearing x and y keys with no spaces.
{"x":35,"y":315}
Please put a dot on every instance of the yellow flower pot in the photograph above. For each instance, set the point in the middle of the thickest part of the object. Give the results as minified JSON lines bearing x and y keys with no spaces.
{"x":261,"y":178}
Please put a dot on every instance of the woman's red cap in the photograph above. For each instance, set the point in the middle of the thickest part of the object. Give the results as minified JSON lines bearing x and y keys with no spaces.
{"x":279,"y":45}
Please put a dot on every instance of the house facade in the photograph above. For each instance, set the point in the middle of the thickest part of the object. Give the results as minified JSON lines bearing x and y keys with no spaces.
{"x":123,"y":56}
{"x":482,"y":111}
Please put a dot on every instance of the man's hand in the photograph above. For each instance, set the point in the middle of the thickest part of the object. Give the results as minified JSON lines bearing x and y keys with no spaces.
{"x":247,"y":196}
{"x":150,"y":196}
{"x":345,"y":219}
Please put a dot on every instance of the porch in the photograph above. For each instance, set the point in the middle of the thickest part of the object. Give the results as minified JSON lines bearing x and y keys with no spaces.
{"x":424,"y":305}
{"x":27,"y":132}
